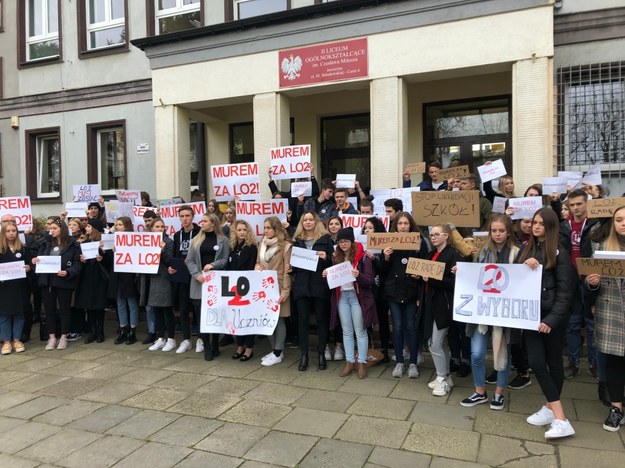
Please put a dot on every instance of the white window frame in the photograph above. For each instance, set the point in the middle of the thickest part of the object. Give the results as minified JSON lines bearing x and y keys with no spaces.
{"x":41,"y":141}
{"x":236,"y":3}
{"x":108,"y":23}
{"x":177,"y":10}
{"x":46,"y":36}
{"x":98,"y":136}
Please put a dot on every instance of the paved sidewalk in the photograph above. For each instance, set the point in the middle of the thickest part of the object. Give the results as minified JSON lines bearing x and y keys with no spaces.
{"x":104,"y":405}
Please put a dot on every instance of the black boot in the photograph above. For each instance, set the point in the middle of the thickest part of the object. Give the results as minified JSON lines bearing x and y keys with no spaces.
{"x":604,"y":395}
{"x":149,"y":338}
{"x":123,"y":335}
{"x":208,"y":352}
{"x":322,"y":361}
{"x":215,"y":344}
{"x":303,"y":362}
{"x":386,"y":359}
{"x":132,"y":336}
{"x":90,"y":338}
{"x":99,"y":326}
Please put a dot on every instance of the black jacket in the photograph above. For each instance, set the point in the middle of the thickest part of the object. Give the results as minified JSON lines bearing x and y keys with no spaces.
{"x":439,"y":298}
{"x":398,"y":286}
{"x":242,"y":257}
{"x":70,"y":262}
{"x":586,"y":243}
{"x":310,"y":283}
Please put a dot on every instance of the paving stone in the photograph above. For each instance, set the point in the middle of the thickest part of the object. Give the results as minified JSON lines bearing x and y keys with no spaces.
{"x":592,"y":436}
{"x":113,"y":392}
{"x":201,"y":459}
{"x":186,"y":431}
{"x":319,"y":380}
{"x":32,"y":408}
{"x":88,"y":354}
{"x":439,"y":462}
{"x":155,"y":398}
{"x":121,"y":358}
{"x":325,"y":400}
{"x":392,"y":458}
{"x":192,"y":365}
{"x":184,"y":381}
{"x":328,"y":452}
{"x":527,"y":403}
{"x":9,"y":376}
{"x":205,"y":405}
{"x":72,"y":387}
{"x":578,"y":456}
{"x":407,"y":389}
{"x":507,"y":424}
{"x":444,"y":415}
{"x":589,"y":411}
{"x":142,"y":425}
{"x":103,"y":419}
{"x":374,"y":431}
{"x":11,"y":398}
{"x":256,"y":413}
{"x":70,"y":368}
{"x":580,"y":390}
{"x":16,"y":462}
{"x":256,"y":464}
{"x":144,"y":376}
{"x":232,"y":439}
{"x":227,"y":386}
{"x":154,"y":360}
{"x":443,"y":441}
{"x":275,"y":393}
{"x":60,"y":445}
{"x":103,"y":452}
{"x":275,"y":374}
{"x":35,"y":383}
{"x":374,"y":387}
{"x":312,"y":422}
{"x":271,"y":449}
{"x":227,"y":369}
{"x":35,"y":364}
{"x":495,"y":450}
{"x":24,"y":435}
{"x":155,"y":455}
{"x":65,"y":414}
{"x":388,"y":408}
{"x":105,"y":372}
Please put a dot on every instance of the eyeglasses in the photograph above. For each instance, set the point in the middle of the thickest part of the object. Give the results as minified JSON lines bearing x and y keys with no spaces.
{"x":344,"y":241}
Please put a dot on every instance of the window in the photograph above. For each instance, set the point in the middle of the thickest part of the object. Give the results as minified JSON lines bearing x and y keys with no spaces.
{"x":241,"y":9}
{"x":177,"y":15}
{"x":102,"y":24}
{"x":43,"y":164}
{"x":241,"y":143}
{"x":41,"y":22}
{"x":106,"y":152}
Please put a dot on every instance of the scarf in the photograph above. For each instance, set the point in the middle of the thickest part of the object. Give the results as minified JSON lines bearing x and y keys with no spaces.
{"x":268,"y":250}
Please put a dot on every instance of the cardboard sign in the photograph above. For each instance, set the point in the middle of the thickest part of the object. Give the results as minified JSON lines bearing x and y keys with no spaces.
{"x":90,"y":249}
{"x":502,"y":295}
{"x":554,"y":185}
{"x":572,"y":177}
{"x":236,"y":180}
{"x":426,"y":268}
{"x":86,"y":193}
{"x":76,"y":210}
{"x":340,"y":274}
{"x":362,"y":238}
{"x":256,"y":213}
{"x":345,"y":180}
{"x":604,"y":267}
{"x":12,"y":271}
{"x":403,"y":194}
{"x":48,"y":264}
{"x":240,"y":302}
{"x":525,"y":207}
{"x":129,"y":196}
{"x":137,"y":252}
{"x":108,"y":241}
{"x":394,"y":240}
{"x":499,"y":204}
{"x":415,"y":168}
{"x":604,"y":207}
{"x":461,"y":208}
{"x":170,"y":215}
{"x":290,"y":162}
{"x":301,"y":188}
{"x":304,"y":258}
{"x":115,"y":209}
{"x":19,"y":207}
{"x":458,"y":171}
{"x":492,"y":171}
{"x":357,"y":222}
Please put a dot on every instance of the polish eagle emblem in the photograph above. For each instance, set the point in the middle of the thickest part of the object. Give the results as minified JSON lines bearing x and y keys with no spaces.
{"x":291,"y":67}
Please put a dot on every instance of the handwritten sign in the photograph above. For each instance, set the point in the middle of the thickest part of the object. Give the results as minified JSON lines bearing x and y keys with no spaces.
{"x":604,"y":267}
{"x":48,"y":264}
{"x":76,"y":210}
{"x":236,"y":180}
{"x":345,"y":180}
{"x":86,"y":193}
{"x":304,"y":259}
{"x":108,"y":241}
{"x":357,"y":222}
{"x":554,"y":185}
{"x":499,"y":204}
{"x":427,"y":268}
{"x":115,"y":209}
{"x":403,"y":194}
{"x":90,"y":249}
{"x":394,"y":240}
{"x":171,"y":217}
{"x":129,"y":196}
{"x":525,"y":207}
{"x":593,"y":176}
{"x":290,"y":162}
{"x":458,"y":171}
{"x":415,"y":168}
{"x":461,"y":208}
{"x":572,"y":177}
{"x":256,"y":213}
{"x":240,"y":302}
{"x":301,"y":188}
{"x":340,"y":274}
{"x":137,"y":252}
{"x":20,"y":208}
{"x":12,"y":271}
{"x":492,"y":171}
{"x":604,"y":207}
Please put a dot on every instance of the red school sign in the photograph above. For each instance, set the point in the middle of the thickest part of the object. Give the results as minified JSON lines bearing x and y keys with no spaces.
{"x":335,"y":61}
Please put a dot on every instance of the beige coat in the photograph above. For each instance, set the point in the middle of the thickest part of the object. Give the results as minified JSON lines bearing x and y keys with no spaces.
{"x":279,"y":263}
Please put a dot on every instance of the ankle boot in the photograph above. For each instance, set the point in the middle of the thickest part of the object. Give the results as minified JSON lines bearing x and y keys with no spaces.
{"x":149,"y":338}
{"x":123,"y":335}
{"x":208,"y":352}
{"x":90,"y":338}
{"x":132,"y":336}
{"x":322,"y":362}
{"x":99,"y":328}
{"x":303,"y":362}
{"x":386,"y":359}
{"x":348,"y":368}
{"x":362,"y":370}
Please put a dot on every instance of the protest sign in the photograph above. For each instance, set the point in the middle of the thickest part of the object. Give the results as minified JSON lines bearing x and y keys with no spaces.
{"x":362,"y":238}
{"x":304,"y":259}
{"x":608,"y":254}
{"x":301,"y":188}
{"x":603,"y":207}
{"x":345,"y":180}
{"x":90,"y":249}
{"x":290,"y":162}
{"x":403,"y":194}
{"x":12,"y":270}
{"x":115,"y":209}
{"x":554,"y":185}
{"x":457,"y":171}
{"x":601,"y":266}
{"x":492,"y":171}
{"x":76,"y":210}
{"x":394,"y":240}
{"x":525,"y":207}
{"x":137,"y":252}
{"x":357,"y":222}
{"x":137,"y":213}
{"x":48,"y":264}
{"x":499,"y":204}
{"x":340,"y":274}
{"x":572,"y":177}
{"x":240,"y":302}
{"x":502,"y":295}
{"x":427,"y":268}
{"x":129,"y":196}
{"x":461,"y":208}
{"x":415,"y":168}
{"x":20,"y":208}
{"x":86,"y":193}
{"x":170,"y":215}
{"x":256,"y":213}
{"x":593,"y":176}
{"x":236,"y":180}
{"x":108,"y":241}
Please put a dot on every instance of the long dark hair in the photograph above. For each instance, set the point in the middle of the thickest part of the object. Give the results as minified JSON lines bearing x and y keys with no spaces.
{"x":552,"y":236}
{"x":378,"y":225}
{"x":411,"y":221}
{"x":63,"y":239}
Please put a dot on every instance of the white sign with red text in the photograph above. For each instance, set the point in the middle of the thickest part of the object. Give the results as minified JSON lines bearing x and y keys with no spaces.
{"x":301,"y":188}
{"x":256,"y":213}
{"x":492,"y":171}
{"x":20,"y":208}
{"x":170,"y":215}
{"x":86,"y":193}
{"x":138,"y":212}
{"x":357,"y":222}
{"x":129,"y":196}
{"x":340,"y":274}
{"x":137,"y":252}
{"x":236,"y":180}
{"x":290,"y":162}
{"x":525,"y":207}
{"x":12,"y":270}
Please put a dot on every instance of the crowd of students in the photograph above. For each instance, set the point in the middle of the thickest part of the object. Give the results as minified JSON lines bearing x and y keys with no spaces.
{"x":420,"y":308}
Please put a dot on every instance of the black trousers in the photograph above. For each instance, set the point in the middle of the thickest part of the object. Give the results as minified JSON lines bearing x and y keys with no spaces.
{"x":544,"y":352}
{"x":57,"y":303}
{"x":165,"y":323}
{"x":615,"y":371}
{"x":321,"y":309}
{"x":183,"y":302}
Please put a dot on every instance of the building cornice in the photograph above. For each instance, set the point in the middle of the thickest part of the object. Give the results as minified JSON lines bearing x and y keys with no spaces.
{"x":589,"y":26}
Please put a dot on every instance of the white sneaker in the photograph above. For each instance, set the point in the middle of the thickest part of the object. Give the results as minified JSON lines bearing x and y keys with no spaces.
{"x":266,"y":356}
{"x":272,"y":359}
{"x":199,"y":346}
{"x":542,"y":417}
{"x":327,"y":353}
{"x":51,"y":344}
{"x":450,"y":382}
{"x":420,"y":359}
{"x":398,"y":371}
{"x":413,"y":372}
{"x":158,"y":344}
{"x":185,"y":346}
{"x":441,"y":388}
{"x":559,"y":429}
{"x":171,"y":344}
{"x":339,"y":355}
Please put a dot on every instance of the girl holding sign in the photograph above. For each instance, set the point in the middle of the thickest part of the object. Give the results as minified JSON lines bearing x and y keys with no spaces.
{"x":14,"y":294}
{"x":274,"y":253}
{"x":545,"y":345}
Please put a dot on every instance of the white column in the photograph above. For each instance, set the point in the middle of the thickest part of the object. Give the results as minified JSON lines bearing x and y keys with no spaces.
{"x":172,"y":152}
{"x":271,"y":129}
{"x":532,"y":122}
{"x":389,"y":143}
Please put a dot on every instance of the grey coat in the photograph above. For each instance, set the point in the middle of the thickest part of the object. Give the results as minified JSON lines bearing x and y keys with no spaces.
{"x":194,"y":263}
{"x":156,"y":290}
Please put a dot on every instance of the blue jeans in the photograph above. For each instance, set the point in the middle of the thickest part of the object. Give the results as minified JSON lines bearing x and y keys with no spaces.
{"x":151,"y":319}
{"x":9,"y":331}
{"x":124,"y":305}
{"x":352,"y":321}
{"x":479,"y":343}
{"x":574,"y":330}
{"x":404,"y":316}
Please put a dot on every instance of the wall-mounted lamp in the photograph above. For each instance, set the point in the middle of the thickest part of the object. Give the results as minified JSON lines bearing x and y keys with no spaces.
{"x":15,"y":122}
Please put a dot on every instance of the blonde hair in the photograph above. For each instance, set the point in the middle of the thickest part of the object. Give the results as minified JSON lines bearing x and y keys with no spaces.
{"x":197,"y":240}
{"x":277,"y":226}
{"x":318,"y":232}
{"x":612,"y":242}
{"x":502,"y":185}
{"x":250,"y":238}
{"x":4,"y":243}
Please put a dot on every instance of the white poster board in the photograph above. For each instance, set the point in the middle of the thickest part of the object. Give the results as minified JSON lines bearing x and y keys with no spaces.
{"x":76,"y":210}
{"x":255,"y":213}
{"x":301,"y":188}
{"x":304,"y":258}
{"x":340,"y":274}
{"x":404,"y":194}
{"x":86,"y":193}
{"x":492,"y":171}
{"x":90,"y":249}
{"x":12,"y":270}
{"x":525,"y":207}
{"x":48,"y":264}
{"x":19,"y":207}
{"x":137,"y":252}
{"x":232,"y":181}
{"x":345,"y":181}
{"x":290,"y":162}
{"x":170,"y":215}
{"x":554,"y":185}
